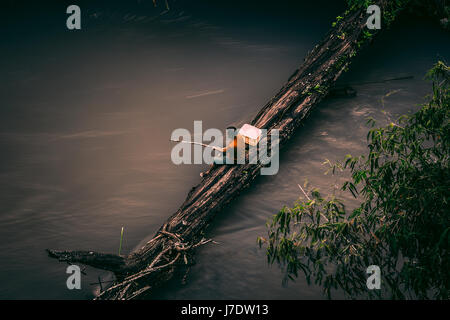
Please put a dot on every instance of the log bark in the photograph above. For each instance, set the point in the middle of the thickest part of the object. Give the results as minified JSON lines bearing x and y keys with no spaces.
{"x":153,"y":264}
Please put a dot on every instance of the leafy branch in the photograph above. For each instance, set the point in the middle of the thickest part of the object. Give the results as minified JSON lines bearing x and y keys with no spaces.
{"x":402,"y":223}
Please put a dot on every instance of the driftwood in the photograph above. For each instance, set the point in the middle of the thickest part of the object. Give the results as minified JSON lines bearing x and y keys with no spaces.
{"x":153,"y":264}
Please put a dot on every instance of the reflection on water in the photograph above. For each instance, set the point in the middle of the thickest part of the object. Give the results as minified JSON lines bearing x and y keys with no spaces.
{"x":86,"y":120}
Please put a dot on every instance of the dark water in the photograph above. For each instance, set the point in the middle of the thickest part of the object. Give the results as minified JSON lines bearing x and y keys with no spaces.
{"x":85,"y":119}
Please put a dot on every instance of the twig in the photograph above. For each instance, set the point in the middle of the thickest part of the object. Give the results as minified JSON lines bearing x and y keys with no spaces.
{"x":304,"y":192}
{"x":309,"y":199}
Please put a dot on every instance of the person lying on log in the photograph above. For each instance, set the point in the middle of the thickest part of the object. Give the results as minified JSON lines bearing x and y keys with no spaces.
{"x":225,"y":157}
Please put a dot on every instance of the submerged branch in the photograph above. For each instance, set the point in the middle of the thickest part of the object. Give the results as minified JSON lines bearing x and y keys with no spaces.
{"x":110,"y":262}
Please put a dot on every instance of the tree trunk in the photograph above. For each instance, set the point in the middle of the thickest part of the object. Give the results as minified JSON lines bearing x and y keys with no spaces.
{"x":148,"y":267}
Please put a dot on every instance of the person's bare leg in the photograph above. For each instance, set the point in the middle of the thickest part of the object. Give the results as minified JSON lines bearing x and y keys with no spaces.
{"x":219,"y":159}
{"x":204,"y":174}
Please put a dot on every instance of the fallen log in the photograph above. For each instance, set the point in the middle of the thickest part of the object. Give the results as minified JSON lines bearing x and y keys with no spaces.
{"x":153,"y":264}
